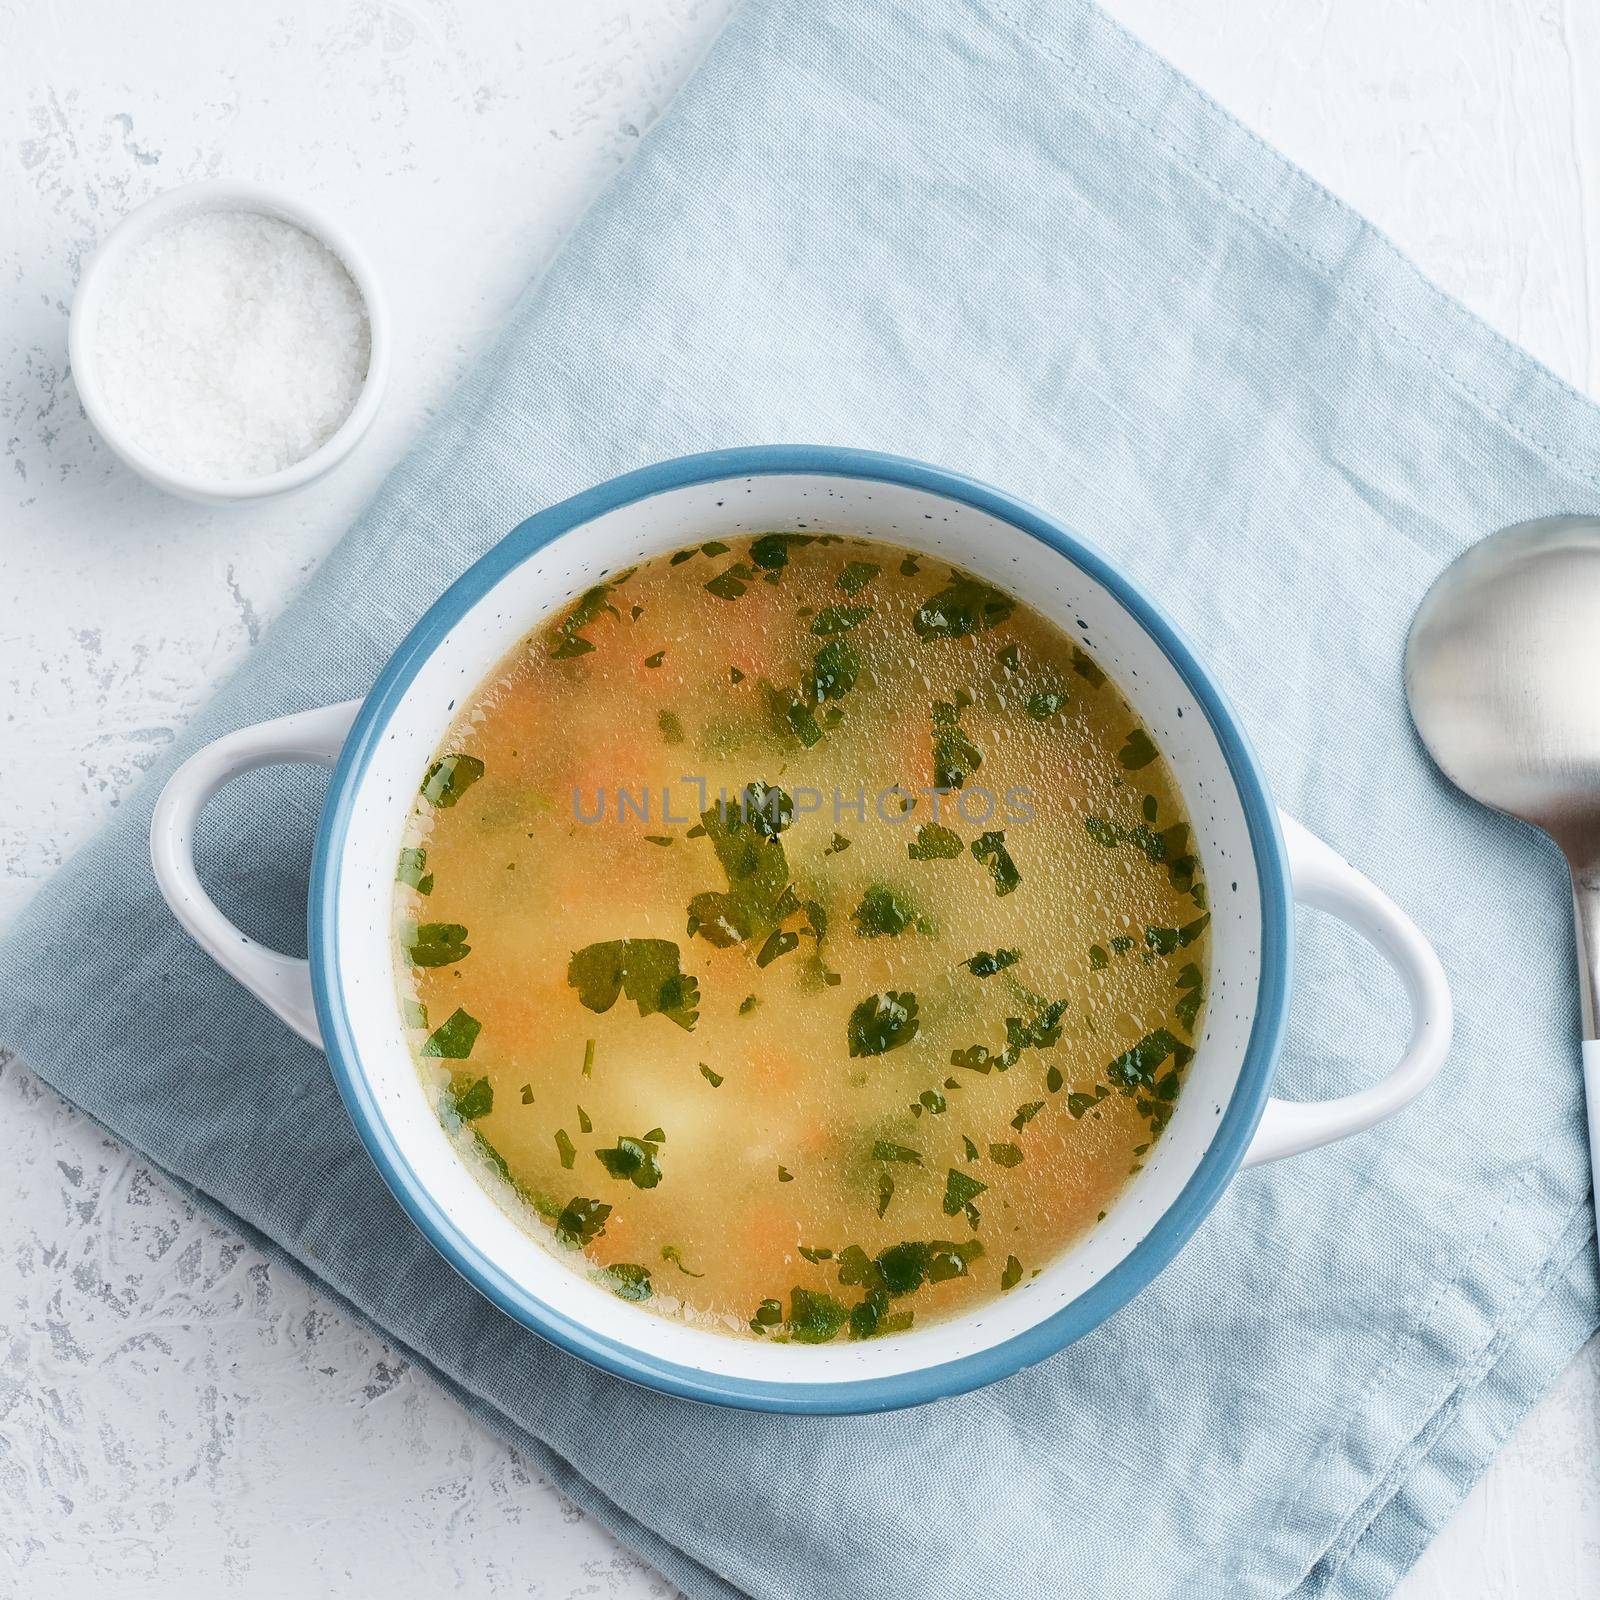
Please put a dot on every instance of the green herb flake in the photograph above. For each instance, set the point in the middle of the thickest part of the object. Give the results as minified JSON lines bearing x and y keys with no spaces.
{"x":885,"y":1191}
{"x":435,"y":944}
{"x":527,"y":1094}
{"x":990,"y":848}
{"x":835,"y":671}
{"x":857,"y":575}
{"x":964,"y":606}
{"x":882,"y":1022}
{"x":1085,"y":666}
{"x":670,"y":1252}
{"x":959,"y":1193}
{"x":588,"y":1058}
{"x":883,"y":913}
{"x":910,"y":567}
{"x":988,"y":962}
{"x":935,"y":842}
{"x":454,"y":1038}
{"x":655,"y":660}
{"x":413,"y":869}
{"x":784,"y":1174}
{"x":839,"y":619}
{"x":645,"y":970}
{"x":581,"y":1221}
{"x":1009,"y":657}
{"x":1138,"y":751}
{"x":839,"y":845}
{"x":715,"y":1079}
{"x":1005,"y":1155}
{"x":584,"y":1124}
{"x":731,"y":582}
{"x":671,"y":727}
{"x":1102,"y":832}
{"x":449,"y":778}
{"x":473,"y":1099}
{"x":1012,"y":1275}
{"x":970,"y":1147}
{"x":814,"y":1318}
{"x":634,"y":1161}
{"x":1053,"y":1080}
{"x":658,"y":838}
{"x":771,"y":551}
{"x":955,"y":756}
{"x":625,"y":1280}
{"x":1162,"y":940}
{"x":1098,"y":959}
{"x":565,"y":1148}
{"x":885,"y":1150}
{"x":1026,"y":1114}
{"x":748,"y":1004}
{"x":1044,"y":703}
{"x":777,"y":944}
{"x":735,"y":675}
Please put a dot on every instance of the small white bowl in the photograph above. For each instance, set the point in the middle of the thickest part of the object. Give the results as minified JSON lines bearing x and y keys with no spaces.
{"x":100,"y":273}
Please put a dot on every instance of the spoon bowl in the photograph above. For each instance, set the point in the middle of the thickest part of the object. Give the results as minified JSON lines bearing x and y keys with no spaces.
{"x":1503,"y":679}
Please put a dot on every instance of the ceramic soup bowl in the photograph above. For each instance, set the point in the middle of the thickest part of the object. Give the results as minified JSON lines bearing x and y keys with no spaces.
{"x":1256,"y":862}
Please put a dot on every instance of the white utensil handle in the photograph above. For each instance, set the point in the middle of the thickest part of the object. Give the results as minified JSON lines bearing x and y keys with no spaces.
{"x":282,"y":983}
{"x":1324,"y":879}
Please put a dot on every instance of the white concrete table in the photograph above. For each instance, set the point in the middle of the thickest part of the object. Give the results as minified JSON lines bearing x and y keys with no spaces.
{"x":175,"y":1417}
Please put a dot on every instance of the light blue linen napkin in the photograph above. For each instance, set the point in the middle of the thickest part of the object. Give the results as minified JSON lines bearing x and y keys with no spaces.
{"x":999,"y":235}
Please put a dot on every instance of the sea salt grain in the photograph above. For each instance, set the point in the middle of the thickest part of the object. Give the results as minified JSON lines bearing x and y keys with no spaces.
{"x":231,"y":344}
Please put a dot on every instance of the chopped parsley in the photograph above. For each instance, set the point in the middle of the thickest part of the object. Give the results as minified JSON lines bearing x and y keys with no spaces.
{"x":935,"y":842}
{"x":581,"y":1221}
{"x":955,"y":756}
{"x":655,"y":660}
{"x":784,"y":1174}
{"x":715,"y":1079}
{"x":454,"y":1038}
{"x":625,"y":1280}
{"x":1138,"y":751}
{"x":882,"y":1022}
{"x":633,"y":1160}
{"x":670,"y":1252}
{"x":645,"y":970}
{"x":839,"y":619}
{"x":1192,"y":986}
{"x":1012,"y":1275}
{"x":988,"y":962}
{"x":435,"y":944}
{"x":413,"y":869}
{"x":1005,"y":1155}
{"x":839,"y":844}
{"x":857,"y":575}
{"x":883,"y":913}
{"x":814,"y":1318}
{"x":449,"y":778}
{"x":959,"y":1193}
{"x":473,"y":1099}
{"x":885,"y":1150}
{"x":1085,"y":667}
{"x":671,"y":727}
{"x":1044,"y":703}
{"x":591,"y":606}
{"x":990,"y":848}
{"x":964,"y":606}
{"x":565,"y":1148}
{"x":1026,"y":1114}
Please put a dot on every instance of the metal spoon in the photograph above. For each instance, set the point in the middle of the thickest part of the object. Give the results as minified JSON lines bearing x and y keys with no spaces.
{"x":1503,"y":676}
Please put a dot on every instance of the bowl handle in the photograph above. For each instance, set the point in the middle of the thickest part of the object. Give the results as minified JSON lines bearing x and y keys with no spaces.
{"x":1325,"y":880}
{"x":282,"y":983}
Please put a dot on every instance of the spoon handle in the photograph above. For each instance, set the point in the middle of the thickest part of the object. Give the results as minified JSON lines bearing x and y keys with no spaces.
{"x":1591,"y":1091}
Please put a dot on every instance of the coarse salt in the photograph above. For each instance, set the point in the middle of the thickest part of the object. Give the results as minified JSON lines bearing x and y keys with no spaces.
{"x":231,"y":344}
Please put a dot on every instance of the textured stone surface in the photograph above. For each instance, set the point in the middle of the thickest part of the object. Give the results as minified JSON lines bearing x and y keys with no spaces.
{"x":176,"y":1418}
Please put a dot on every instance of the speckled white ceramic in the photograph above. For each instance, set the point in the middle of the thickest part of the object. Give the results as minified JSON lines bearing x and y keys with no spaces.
{"x":344,"y":998}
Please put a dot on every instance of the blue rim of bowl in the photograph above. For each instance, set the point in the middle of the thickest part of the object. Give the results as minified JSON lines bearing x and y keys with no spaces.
{"x":1034,"y":1343}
